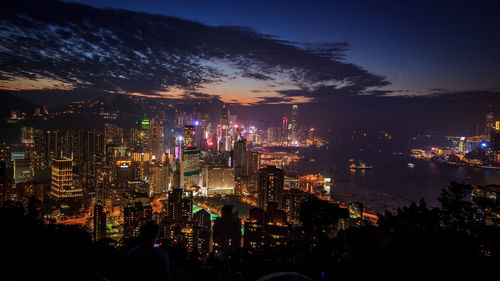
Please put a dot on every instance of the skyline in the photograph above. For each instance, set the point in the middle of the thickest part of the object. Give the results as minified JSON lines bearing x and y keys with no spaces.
{"x":249,"y":140}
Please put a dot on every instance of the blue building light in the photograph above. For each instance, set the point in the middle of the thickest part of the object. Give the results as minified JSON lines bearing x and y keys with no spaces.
{"x":483,"y":144}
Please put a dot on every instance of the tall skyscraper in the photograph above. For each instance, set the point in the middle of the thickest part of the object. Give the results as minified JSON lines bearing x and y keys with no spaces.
{"x":62,"y":180}
{"x":223,"y":138}
{"x":191,"y":168}
{"x":270,"y":184}
{"x":143,"y":134}
{"x":239,"y":157}
{"x":284,"y":130}
{"x":295,"y":123}
{"x":490,"y":123}
{"x":189,"y":136}
{"x":99,"y":222}
{"x":157,"y":140}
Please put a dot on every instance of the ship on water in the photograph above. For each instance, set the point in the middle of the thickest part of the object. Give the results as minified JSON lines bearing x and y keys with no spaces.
{"x":361,"y":166}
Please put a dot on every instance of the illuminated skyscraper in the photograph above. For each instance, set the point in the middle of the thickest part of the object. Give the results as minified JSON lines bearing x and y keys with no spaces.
{"x":62,"y":180}
{"x":291,"y":204}
{"x":191,"y":168}
{"x":284,"y":130}
{"x":180,"y":206}
{"x":356,"y":213}
{"x":490,"y":123}
{"x":143,"y":134}
{"x":157,"y":140}
{"x":270,"y":186}
{"x":189,"y":136}
{"x":295,"y":124}
{"x":220,"y":180}
{"x":27,"y":135}
{"x":223,"y":139}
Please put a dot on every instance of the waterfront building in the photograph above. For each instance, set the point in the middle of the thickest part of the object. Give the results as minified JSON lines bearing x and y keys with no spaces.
{"x":355,"y":213}
{"x":489,"y":125}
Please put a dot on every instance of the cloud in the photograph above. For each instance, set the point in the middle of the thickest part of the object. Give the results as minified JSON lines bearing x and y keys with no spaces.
{"x":123,"y":51}
{"x":271,"y":100}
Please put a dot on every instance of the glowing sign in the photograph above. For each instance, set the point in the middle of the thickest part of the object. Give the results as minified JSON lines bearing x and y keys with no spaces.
{"x":123,"y":164}
{"x":497,"y":125}
{"x":462,"y":138}
{"x":145,"y":122}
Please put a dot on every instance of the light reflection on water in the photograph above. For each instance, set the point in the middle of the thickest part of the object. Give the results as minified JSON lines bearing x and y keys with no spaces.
{"x":391,"y":181}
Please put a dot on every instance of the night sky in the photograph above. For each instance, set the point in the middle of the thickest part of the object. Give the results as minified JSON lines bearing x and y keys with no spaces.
{"x":348,"y":63}
{"x":418,"y":46}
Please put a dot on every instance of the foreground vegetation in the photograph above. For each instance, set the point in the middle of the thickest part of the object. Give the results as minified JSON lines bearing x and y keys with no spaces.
{"x":460,"y":239}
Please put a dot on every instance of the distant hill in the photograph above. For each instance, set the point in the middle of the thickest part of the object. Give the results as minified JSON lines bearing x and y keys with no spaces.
{"x":9,"y":102}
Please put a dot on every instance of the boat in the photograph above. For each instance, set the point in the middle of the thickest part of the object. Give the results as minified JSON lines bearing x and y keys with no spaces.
{"x":411,"y":165}
{"x":361,"y":166}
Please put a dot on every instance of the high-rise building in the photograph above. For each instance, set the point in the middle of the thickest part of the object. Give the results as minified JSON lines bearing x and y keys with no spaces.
{"x":284,"y":131}
{"x":220,"y":180}
{"x":239,"y":158}
{"x":227,"y":231}
{"x":62,"y":180}
{"x":27,"y":135}
{"x":5,"y":183}
{"x":99,"y":222}
{"x":22,"y":171}
{"x":270,"y":185}
{"x":356,"y":213}
{"x":191,"y":168}
{"x":254,"y":235}
{"x":143,"y":135}
{"x":134,"y":217}
{"x":189,"y":136}
{"x":272,"y":135}
{"x":295,"y":123}
{"x":157,"y":140}
{"x":201,"y":231}
{"x":490,"y":123}
{"x":291,"y":204}
{"x":180,"y":206}
{"x":255,"y":164}
{"x":161,"y":178}
{"x":223,"y":138}
{"x":266,"y":227}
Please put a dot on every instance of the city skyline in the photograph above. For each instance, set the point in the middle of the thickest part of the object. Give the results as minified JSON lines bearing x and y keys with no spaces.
{"x":290,"y":140}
